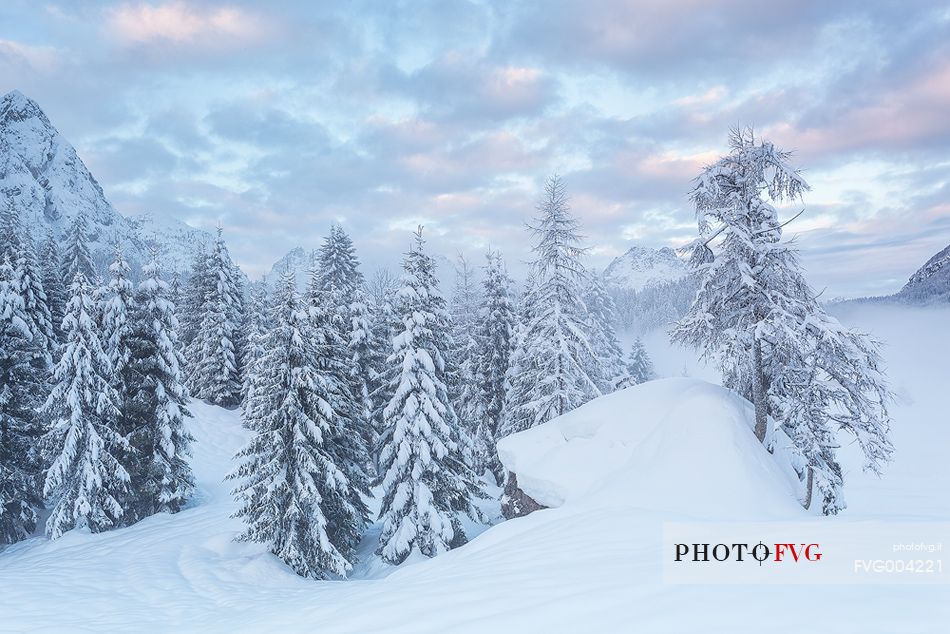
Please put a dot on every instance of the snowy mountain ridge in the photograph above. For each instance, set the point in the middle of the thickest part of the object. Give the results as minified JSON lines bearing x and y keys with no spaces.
{"x":299,"y":261}
{"x":644,"y":267}
{"x":930,"y":283}
{"x":43,"y":176}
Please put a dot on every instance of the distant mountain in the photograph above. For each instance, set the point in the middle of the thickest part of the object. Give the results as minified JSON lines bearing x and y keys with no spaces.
{"x":930,"y":284}
{"x":643,"y":267}
{"x":43,"y":176}
{"x":299,"y":261}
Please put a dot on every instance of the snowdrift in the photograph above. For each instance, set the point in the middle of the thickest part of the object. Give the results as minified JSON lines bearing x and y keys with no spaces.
{"x":681,"y":446}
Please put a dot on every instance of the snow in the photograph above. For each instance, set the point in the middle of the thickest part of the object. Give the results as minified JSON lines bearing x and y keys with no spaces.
{"x":643,"y":267}
{"x":49,"y":183}
{"x":689,"y":435}
{"x":626,"y":464}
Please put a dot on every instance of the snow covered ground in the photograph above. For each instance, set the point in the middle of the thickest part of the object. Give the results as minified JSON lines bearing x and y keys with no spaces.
{"x":615,"y":470}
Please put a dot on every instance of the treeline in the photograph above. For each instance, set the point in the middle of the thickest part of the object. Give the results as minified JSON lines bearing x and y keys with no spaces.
{"x":92,"y":397}
{"x":351,"y":388}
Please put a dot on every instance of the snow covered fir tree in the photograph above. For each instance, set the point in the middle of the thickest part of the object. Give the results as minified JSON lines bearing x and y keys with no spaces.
{"x":214,"y":353}
{"x":756,"y":316}
{"x":461,"y":377}
{"x":86,"y":479}
{"x":157,"y":402}
{"x":425,"y":481}
{"x":336,"y":303}
{"x":295,"y":496}
{"x":639,"y":367}
{"x":495,"y":333}
{"x":566,"y":354}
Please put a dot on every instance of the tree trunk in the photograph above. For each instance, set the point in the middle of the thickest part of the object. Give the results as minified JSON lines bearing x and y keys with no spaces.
{"x":808,"y":488}
{"x":758,"y":393}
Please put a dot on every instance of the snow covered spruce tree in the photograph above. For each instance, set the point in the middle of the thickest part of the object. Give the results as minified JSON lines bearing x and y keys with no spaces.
{"x":424,"y":479}
{"x":191,"y":301}
{"x":639,"y":366}
{"x":756,"y":315}
{"x":496,"y":328}
{"x":213,"y":353}
{"x":461,"y":377}
{"x":86,"y":481}
{"x":76,"y":256}
{"x":558,"y":362}
{"x":337,"y":293}
{"x":17,"y":245}
{"x":161,"y":478}
{"x":116,"y":309}
{"x":23,"y":369}
{"x":294,"y":495}
{"x":255,"y":325}
{"x":53,"y":284}
{"x":602,"y":317}
{"x":383,"y":325}
{"x":520,"y":369}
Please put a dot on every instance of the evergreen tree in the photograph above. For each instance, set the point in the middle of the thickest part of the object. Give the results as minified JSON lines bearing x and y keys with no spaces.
{"x":116,"y":306}
{"x":53,"y":285}
{"x":294,"y":496}
{"x":756,"y":315}
{"x":17,"y":245}
{"x":521,"y":369}
{"x":85,"y":481}
{"x":349,"y":431}
{"x":215,"y":374}
{"x":496,"y":330}
{"x":602,"y":317}
{"x":22,"y":382}
{"x":425,"y":482}
{"x":383,"y":328}
{"x":461,"y":377}
{"x":556,"y":350}
{"x":161,"y":478}
{"x":192,"y":300}
{"x":367,"y":357}
{"x":639,"y":366}
{"x":76,"y":256}
{"x":336,"y":290}
{"x":256,"y":330}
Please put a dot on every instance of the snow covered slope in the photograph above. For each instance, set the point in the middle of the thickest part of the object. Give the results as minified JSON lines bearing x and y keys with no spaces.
{"x":43,"y":176}
{"x":655,"y":429}
{"x":642,"y":267}
{"x":616,"y":471}
{"x":930,"y":284}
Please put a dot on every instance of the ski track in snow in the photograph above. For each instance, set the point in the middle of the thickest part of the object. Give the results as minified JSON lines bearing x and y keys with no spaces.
{"x":591,"y":565}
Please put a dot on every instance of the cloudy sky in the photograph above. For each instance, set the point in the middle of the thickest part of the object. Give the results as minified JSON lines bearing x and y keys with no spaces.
{"x":275,"y":119}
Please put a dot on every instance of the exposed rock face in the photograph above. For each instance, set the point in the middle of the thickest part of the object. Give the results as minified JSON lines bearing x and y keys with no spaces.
{"x":515,"y":502}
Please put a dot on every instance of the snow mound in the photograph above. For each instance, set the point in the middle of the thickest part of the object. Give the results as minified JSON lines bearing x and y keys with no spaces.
{"x":679,"y":445}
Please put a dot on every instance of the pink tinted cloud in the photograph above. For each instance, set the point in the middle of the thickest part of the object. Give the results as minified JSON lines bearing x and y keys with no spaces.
{"x":896,"y":118}
{"x":179,"y":22}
